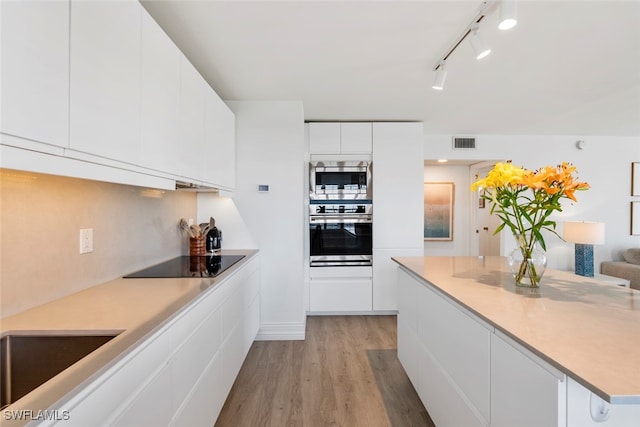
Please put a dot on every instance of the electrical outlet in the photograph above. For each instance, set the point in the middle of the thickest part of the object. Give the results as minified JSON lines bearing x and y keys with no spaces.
{"x":86,"y":240}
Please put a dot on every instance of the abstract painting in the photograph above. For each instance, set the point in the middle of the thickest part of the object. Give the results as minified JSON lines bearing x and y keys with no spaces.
{"x":438,"y":211}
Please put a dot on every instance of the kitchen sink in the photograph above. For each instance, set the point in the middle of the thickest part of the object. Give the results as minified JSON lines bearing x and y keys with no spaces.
{"x":29,"y":360}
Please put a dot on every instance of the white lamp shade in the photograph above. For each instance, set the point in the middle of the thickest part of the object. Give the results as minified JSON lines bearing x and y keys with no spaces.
{"x":479,"y":46}
{"x":508,"y":14}
{"x":588,"y":233}
{"x":441,"y":76}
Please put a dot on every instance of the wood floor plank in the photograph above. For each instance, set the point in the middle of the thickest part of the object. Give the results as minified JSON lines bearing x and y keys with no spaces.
{"x":345,"y":373}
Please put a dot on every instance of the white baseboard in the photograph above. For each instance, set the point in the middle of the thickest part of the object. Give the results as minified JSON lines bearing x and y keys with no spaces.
{"x":281,"y":331}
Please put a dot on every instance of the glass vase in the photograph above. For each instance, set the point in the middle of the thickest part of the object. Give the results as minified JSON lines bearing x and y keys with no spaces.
{"x":527,"y":262}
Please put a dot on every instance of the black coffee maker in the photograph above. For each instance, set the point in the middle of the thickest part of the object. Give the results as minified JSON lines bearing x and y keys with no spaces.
{"x":214,"y":239}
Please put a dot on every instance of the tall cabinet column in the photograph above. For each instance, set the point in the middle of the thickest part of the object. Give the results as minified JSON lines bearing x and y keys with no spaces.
{"x":398,"y":175}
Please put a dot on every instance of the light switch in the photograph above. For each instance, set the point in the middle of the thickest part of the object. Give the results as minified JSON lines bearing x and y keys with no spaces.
{"x":86,"y":240}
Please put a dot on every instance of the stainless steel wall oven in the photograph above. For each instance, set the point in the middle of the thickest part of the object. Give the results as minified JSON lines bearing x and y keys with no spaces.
{"x":340,"y":233}
{"x":340,"y":180}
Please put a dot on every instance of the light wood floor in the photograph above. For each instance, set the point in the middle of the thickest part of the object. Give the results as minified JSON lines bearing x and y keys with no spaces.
{"x":346,"y":373}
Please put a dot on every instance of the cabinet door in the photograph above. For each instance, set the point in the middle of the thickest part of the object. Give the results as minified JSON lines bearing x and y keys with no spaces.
{"x":220,"y":145}
{"x":398,"y":177}
{"x":160,"y":98}
{"x":355,"y":138}
{"x":324,"y":138}
{"x":35,"y":70}
{"x":190,"y":159}
{"x":523,"y":393}
{"x":105,"y":79}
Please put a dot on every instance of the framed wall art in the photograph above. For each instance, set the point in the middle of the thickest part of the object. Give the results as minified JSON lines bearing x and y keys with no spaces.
{"x":635,"y":218}
{"x":635,"y":179}
{"x":438,"y":211}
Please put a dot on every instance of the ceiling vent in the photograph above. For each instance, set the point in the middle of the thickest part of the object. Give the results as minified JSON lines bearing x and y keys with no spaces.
{"x":464,"y":143}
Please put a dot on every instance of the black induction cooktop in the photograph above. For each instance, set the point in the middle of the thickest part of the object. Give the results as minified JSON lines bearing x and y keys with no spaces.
{"x":189,"y":266}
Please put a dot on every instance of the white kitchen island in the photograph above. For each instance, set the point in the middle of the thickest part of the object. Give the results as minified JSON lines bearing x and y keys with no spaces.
{"x":482,"y":352}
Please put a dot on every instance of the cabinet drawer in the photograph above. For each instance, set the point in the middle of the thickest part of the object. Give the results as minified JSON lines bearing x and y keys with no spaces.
{"x":338,"y":272}
{"x":340,"y":295}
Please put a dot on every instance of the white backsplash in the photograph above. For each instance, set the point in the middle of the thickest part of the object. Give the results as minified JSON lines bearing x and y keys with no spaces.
{"x":41,"y":217}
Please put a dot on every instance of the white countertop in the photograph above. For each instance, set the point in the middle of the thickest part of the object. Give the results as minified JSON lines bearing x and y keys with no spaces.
{"x":132,"y":307}
{"x":588,"y":329}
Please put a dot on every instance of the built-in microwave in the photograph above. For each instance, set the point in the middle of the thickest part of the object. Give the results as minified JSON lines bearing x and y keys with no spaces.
{"x":340,"y":180}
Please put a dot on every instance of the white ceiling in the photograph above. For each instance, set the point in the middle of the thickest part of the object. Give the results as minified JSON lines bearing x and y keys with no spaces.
{"x":568,"y":67}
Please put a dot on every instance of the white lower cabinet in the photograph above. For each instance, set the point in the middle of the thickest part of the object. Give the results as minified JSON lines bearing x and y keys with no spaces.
{"x":181,"y":374}
{"x":524,"y":391}
{"x":467,"y":373}
{"x":340,"y":289}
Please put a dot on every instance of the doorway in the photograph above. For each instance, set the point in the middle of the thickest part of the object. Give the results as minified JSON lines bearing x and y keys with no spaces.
{"x":483,"y":224}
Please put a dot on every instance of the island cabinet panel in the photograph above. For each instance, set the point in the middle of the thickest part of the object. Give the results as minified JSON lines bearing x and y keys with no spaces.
{"x":181,"y":374}
{"x":459,"y":346}
{"x":408,"y":292}
{"x":523,"y":391}
{"x":440,"y":396}
{"x":105,"y":79}
{"x":35,"y":72}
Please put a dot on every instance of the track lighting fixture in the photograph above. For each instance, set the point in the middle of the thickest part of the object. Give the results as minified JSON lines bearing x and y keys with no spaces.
{"x":441,"y":76}
{"x":508,"y":9}
{"x":508,"y":14}
{"x":478,"y":45}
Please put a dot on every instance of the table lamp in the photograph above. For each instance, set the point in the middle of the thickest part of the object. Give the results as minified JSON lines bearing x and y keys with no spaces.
{"x":584,"y":234}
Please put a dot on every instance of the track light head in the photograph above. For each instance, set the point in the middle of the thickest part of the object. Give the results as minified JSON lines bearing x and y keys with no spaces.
{"x":441,"y":76}
{"x":508,"y":14}
{"x":478,"y":45}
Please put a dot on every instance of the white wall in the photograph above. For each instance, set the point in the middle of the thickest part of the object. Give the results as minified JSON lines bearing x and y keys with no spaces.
{"x":605,"y":163}
{"x":270,"y":150}
{"x":235,"y":233}
{"x":133,"y":228}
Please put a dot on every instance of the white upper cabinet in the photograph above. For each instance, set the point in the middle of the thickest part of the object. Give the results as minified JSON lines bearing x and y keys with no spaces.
{"x":219,"y":149}
{"x":160,"y":109}
{"x":324,"y":138}
{"x":105,"y":79}
{"x":340,"y":138}
{"x":190,"y":159}
{"x":100,"y":84}
{"x":35,"y":71}
{"x":355,"y":138}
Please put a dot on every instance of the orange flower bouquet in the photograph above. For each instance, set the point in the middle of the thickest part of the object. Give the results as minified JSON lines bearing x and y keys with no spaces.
{"x":524,"y":200}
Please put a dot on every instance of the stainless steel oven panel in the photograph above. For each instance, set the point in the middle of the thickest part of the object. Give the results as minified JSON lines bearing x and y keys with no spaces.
{"x":361,"y":190}
{"x":345,"y":210}
{"x":340,"y":219}
{"x":341,"y":260}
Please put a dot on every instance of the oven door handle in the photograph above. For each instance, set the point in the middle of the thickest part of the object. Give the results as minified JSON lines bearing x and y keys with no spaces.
{"x":340,"y":220}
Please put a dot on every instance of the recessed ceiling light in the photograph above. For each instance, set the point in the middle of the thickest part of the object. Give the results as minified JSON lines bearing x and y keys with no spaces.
{"x":442,"y":160}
